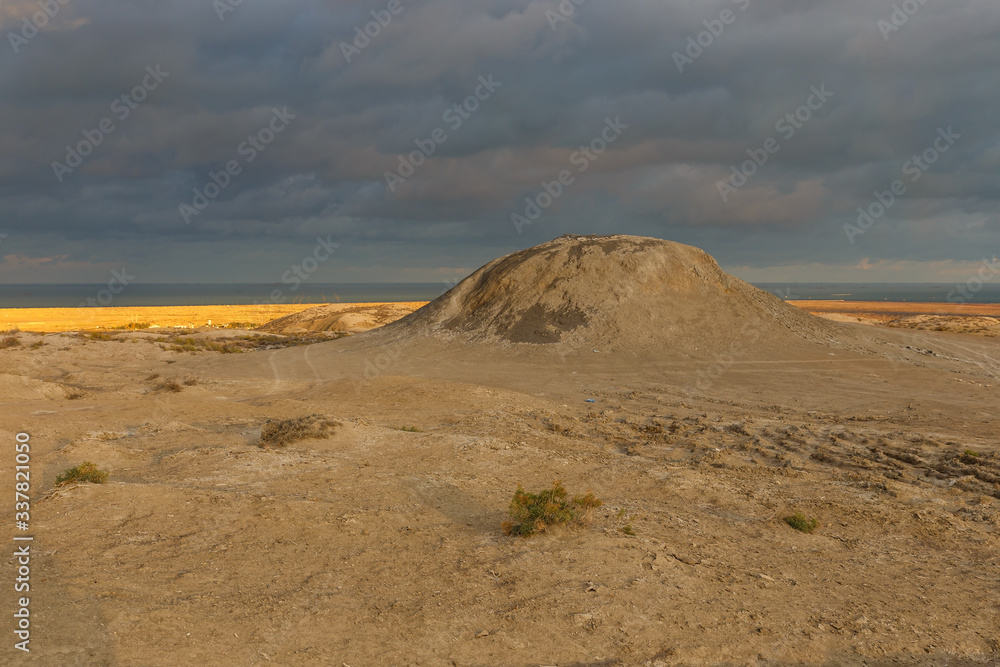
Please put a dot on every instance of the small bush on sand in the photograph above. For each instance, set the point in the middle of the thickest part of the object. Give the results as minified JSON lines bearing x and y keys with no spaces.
{"x":37,"y":344}
{"x":282,"y":432}
{"x":534,"y":512}
{"x":169,"y":385}
{"x":85,"y":472}
{"x":969,"y":457}
{"x":802,"y":523}
{"x":8,"y":342}
{"x":624,"y":522}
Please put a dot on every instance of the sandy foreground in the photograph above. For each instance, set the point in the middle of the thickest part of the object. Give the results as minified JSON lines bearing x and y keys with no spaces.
{"x":382,"y":546}
{"x":381,"y":542}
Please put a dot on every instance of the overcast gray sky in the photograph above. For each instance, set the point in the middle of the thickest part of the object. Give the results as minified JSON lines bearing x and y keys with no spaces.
{"x":644,"y":107}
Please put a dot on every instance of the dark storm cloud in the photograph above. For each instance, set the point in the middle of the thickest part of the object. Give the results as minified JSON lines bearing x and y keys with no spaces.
{"x":692,"y":111}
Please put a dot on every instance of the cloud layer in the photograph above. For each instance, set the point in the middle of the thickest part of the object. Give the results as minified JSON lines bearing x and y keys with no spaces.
{"x":752,"y":128}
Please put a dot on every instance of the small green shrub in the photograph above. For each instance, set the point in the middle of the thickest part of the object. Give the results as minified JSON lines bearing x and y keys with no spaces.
{"x":802,"y":523}
{"x":623,"y":522}
{"x":37,"y":344}
{"x":85,"y":472}
{"x":283,"y":432}
{"x":969,"y":457}
{"x":534,"y":512}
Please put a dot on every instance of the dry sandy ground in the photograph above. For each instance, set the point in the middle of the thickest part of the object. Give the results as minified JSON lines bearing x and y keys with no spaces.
{"x":50,"y":320}
{"x":340,"y":317}
{"x":976,"y":318}
{"x":382,"y":546}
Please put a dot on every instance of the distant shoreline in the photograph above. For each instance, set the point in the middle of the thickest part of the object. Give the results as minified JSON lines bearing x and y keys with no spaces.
{"x":316,"y":293}
{"x":54,"y":320}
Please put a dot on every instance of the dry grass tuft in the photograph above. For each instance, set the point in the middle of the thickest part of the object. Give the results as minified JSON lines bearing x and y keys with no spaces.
{"x":802,"y":523}
{"x":169,"y":385}
{"x":85,"y":472}
{"x":531,"y":513}
{"x":285,"y":431}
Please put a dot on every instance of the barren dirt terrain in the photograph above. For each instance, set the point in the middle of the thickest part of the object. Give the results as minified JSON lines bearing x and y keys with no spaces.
{"x":701,"y":411}
{"x":975,"y":318}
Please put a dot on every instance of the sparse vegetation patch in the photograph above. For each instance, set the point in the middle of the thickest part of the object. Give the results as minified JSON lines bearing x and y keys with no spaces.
{"x":169,"y":385}
{"x":96,"y":335}
{"x":534,"y":512}
{"x":239,"y":344}
{"x":802,"y":523}
{"x":85,"y":472}
{"x":132,"y":326}
{"x":279,"y":433}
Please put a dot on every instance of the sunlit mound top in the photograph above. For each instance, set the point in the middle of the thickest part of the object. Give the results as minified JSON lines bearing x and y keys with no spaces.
{"x":614,"y":292}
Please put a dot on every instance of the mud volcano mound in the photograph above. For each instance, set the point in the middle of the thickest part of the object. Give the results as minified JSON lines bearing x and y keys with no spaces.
{"x":622,"y":293}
